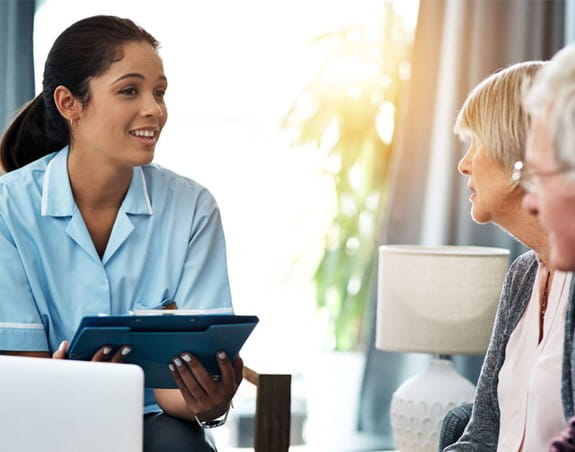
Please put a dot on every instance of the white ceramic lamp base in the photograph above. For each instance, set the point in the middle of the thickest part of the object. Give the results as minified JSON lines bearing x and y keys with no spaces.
{"x":419,"y":405}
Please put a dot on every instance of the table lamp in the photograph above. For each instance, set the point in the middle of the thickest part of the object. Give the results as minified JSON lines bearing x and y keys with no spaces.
{"x":439,"y":300}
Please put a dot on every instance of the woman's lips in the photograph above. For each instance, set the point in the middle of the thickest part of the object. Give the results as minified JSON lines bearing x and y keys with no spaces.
{"x":146,"y":141}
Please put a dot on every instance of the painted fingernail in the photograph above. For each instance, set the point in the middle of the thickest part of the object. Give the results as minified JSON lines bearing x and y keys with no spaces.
{"x":171,"y":366}
{"x":222,"y":355}
{"x":178,"y":362}
{"x":187,"y":358}
{"x":126,"y":350}
{"x":107,"y":350}
{"x":62,"y":345}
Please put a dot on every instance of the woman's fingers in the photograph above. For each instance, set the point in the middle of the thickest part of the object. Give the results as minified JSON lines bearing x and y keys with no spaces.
{"x":239,"y":370}
{"x":188,"y":397}
{"x":121,"y":353}
{"x":61,"y":352}
{"x":104,"y":353}
{"x":206,"y":397}
{"x":197,"y":380}
{"x":226,"y":369}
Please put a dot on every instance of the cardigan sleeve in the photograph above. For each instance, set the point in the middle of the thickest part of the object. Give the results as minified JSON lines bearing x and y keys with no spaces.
{"x":482,"y":431}
{"x":568,"y":371}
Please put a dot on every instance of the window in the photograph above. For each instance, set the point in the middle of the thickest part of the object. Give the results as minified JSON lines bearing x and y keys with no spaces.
{"x":234,"y":69}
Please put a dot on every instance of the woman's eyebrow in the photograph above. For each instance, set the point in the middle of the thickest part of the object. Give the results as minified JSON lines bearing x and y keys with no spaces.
{"x":129,"y":75}
{"x":136,"y":75}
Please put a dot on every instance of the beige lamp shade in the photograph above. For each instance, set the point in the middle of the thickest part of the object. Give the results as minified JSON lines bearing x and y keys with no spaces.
{"x":438,"y":299}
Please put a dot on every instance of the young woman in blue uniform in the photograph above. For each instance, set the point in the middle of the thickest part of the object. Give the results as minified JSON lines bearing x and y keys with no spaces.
{"x":88,"y":225}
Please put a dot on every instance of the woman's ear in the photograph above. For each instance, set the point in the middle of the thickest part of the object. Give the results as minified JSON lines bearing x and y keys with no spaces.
{"x":68,"y":106}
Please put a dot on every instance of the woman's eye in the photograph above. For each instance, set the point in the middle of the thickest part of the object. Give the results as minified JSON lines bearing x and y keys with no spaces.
{"x":160,"y":93}
{"x":131,"y":91}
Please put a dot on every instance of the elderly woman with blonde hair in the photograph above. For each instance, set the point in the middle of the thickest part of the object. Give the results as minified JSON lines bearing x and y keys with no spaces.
{"x":518,"y":405}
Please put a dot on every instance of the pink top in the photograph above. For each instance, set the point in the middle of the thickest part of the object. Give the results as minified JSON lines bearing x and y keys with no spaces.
{"x":529,"y":389}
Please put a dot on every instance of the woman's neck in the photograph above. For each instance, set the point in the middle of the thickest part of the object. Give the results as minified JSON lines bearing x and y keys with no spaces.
{"x":97,"y":185}
{"x":527,"y":229}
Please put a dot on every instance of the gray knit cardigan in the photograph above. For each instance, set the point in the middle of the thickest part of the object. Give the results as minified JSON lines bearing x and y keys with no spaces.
{"x":482,"y":431}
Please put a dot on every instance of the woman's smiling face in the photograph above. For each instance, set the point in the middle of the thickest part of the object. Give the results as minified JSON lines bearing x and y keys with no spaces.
{"x":125,"y":112}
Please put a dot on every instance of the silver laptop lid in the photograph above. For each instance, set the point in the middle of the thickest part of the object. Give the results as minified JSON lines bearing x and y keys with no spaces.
{"x":69,"y":406}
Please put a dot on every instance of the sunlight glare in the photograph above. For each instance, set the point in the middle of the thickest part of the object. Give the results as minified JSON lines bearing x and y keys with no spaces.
{"x":385,"y":122}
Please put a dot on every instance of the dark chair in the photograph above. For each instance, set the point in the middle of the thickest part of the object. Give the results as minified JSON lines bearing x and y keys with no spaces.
{"x":273,"y":411}
{"x":454,"y":424}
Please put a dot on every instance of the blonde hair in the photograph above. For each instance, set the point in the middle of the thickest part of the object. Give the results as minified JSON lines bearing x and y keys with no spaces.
{"x":494,"y":115}
{"x":553,"y":93}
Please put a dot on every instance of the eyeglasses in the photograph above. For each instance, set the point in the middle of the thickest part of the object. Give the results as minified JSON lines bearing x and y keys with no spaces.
{"x":528,"y":179}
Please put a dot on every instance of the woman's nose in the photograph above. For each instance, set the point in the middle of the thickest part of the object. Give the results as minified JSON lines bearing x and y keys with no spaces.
{"x":463,"y":166}
{"x":530,"y":203}
{"x":152,"y":108}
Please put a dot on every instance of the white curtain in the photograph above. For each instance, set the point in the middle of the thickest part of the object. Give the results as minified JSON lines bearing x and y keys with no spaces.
{"x":457,"y":44}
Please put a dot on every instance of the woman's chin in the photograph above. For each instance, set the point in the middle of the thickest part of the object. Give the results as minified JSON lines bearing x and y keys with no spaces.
{"x":561,"y":257}
{"x":479,"y":216}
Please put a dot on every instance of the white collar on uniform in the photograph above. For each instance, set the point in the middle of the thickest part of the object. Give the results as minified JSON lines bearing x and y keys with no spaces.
{"x":58,"y":200}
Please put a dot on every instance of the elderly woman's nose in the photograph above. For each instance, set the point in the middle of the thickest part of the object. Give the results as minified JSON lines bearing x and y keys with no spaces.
{"x":463,"y":166}
{"x":530,"y":203}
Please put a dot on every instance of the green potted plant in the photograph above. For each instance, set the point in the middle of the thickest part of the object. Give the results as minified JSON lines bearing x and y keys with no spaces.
{"x":353,"y":100}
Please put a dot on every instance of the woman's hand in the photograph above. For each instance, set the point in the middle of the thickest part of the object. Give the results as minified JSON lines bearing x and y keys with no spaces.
{"x":104,"y":353}
{"x":205,"y":397}
{"x":61,"y":352}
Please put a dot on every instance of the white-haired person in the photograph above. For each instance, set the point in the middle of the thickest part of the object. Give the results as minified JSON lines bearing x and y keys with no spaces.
{"x":548,"y":176}
{"x":518,"y":404}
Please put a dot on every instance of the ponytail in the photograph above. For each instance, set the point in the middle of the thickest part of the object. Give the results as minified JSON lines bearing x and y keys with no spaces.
{"x":32,"y":135}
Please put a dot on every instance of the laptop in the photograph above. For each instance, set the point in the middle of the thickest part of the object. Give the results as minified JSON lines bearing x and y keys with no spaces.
{"x":69,"y":406}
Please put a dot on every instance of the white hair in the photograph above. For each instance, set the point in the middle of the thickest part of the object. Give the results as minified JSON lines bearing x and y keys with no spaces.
{"x":553,"y":95}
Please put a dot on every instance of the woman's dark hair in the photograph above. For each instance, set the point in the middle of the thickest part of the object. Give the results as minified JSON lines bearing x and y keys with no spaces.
{"x":83,"y":51}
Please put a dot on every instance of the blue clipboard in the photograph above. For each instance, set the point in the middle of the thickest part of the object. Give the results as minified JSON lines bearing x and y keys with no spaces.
{"x":156,"y":339}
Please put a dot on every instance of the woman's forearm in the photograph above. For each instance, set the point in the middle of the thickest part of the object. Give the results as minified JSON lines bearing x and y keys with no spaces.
{"x":173,"y":403}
